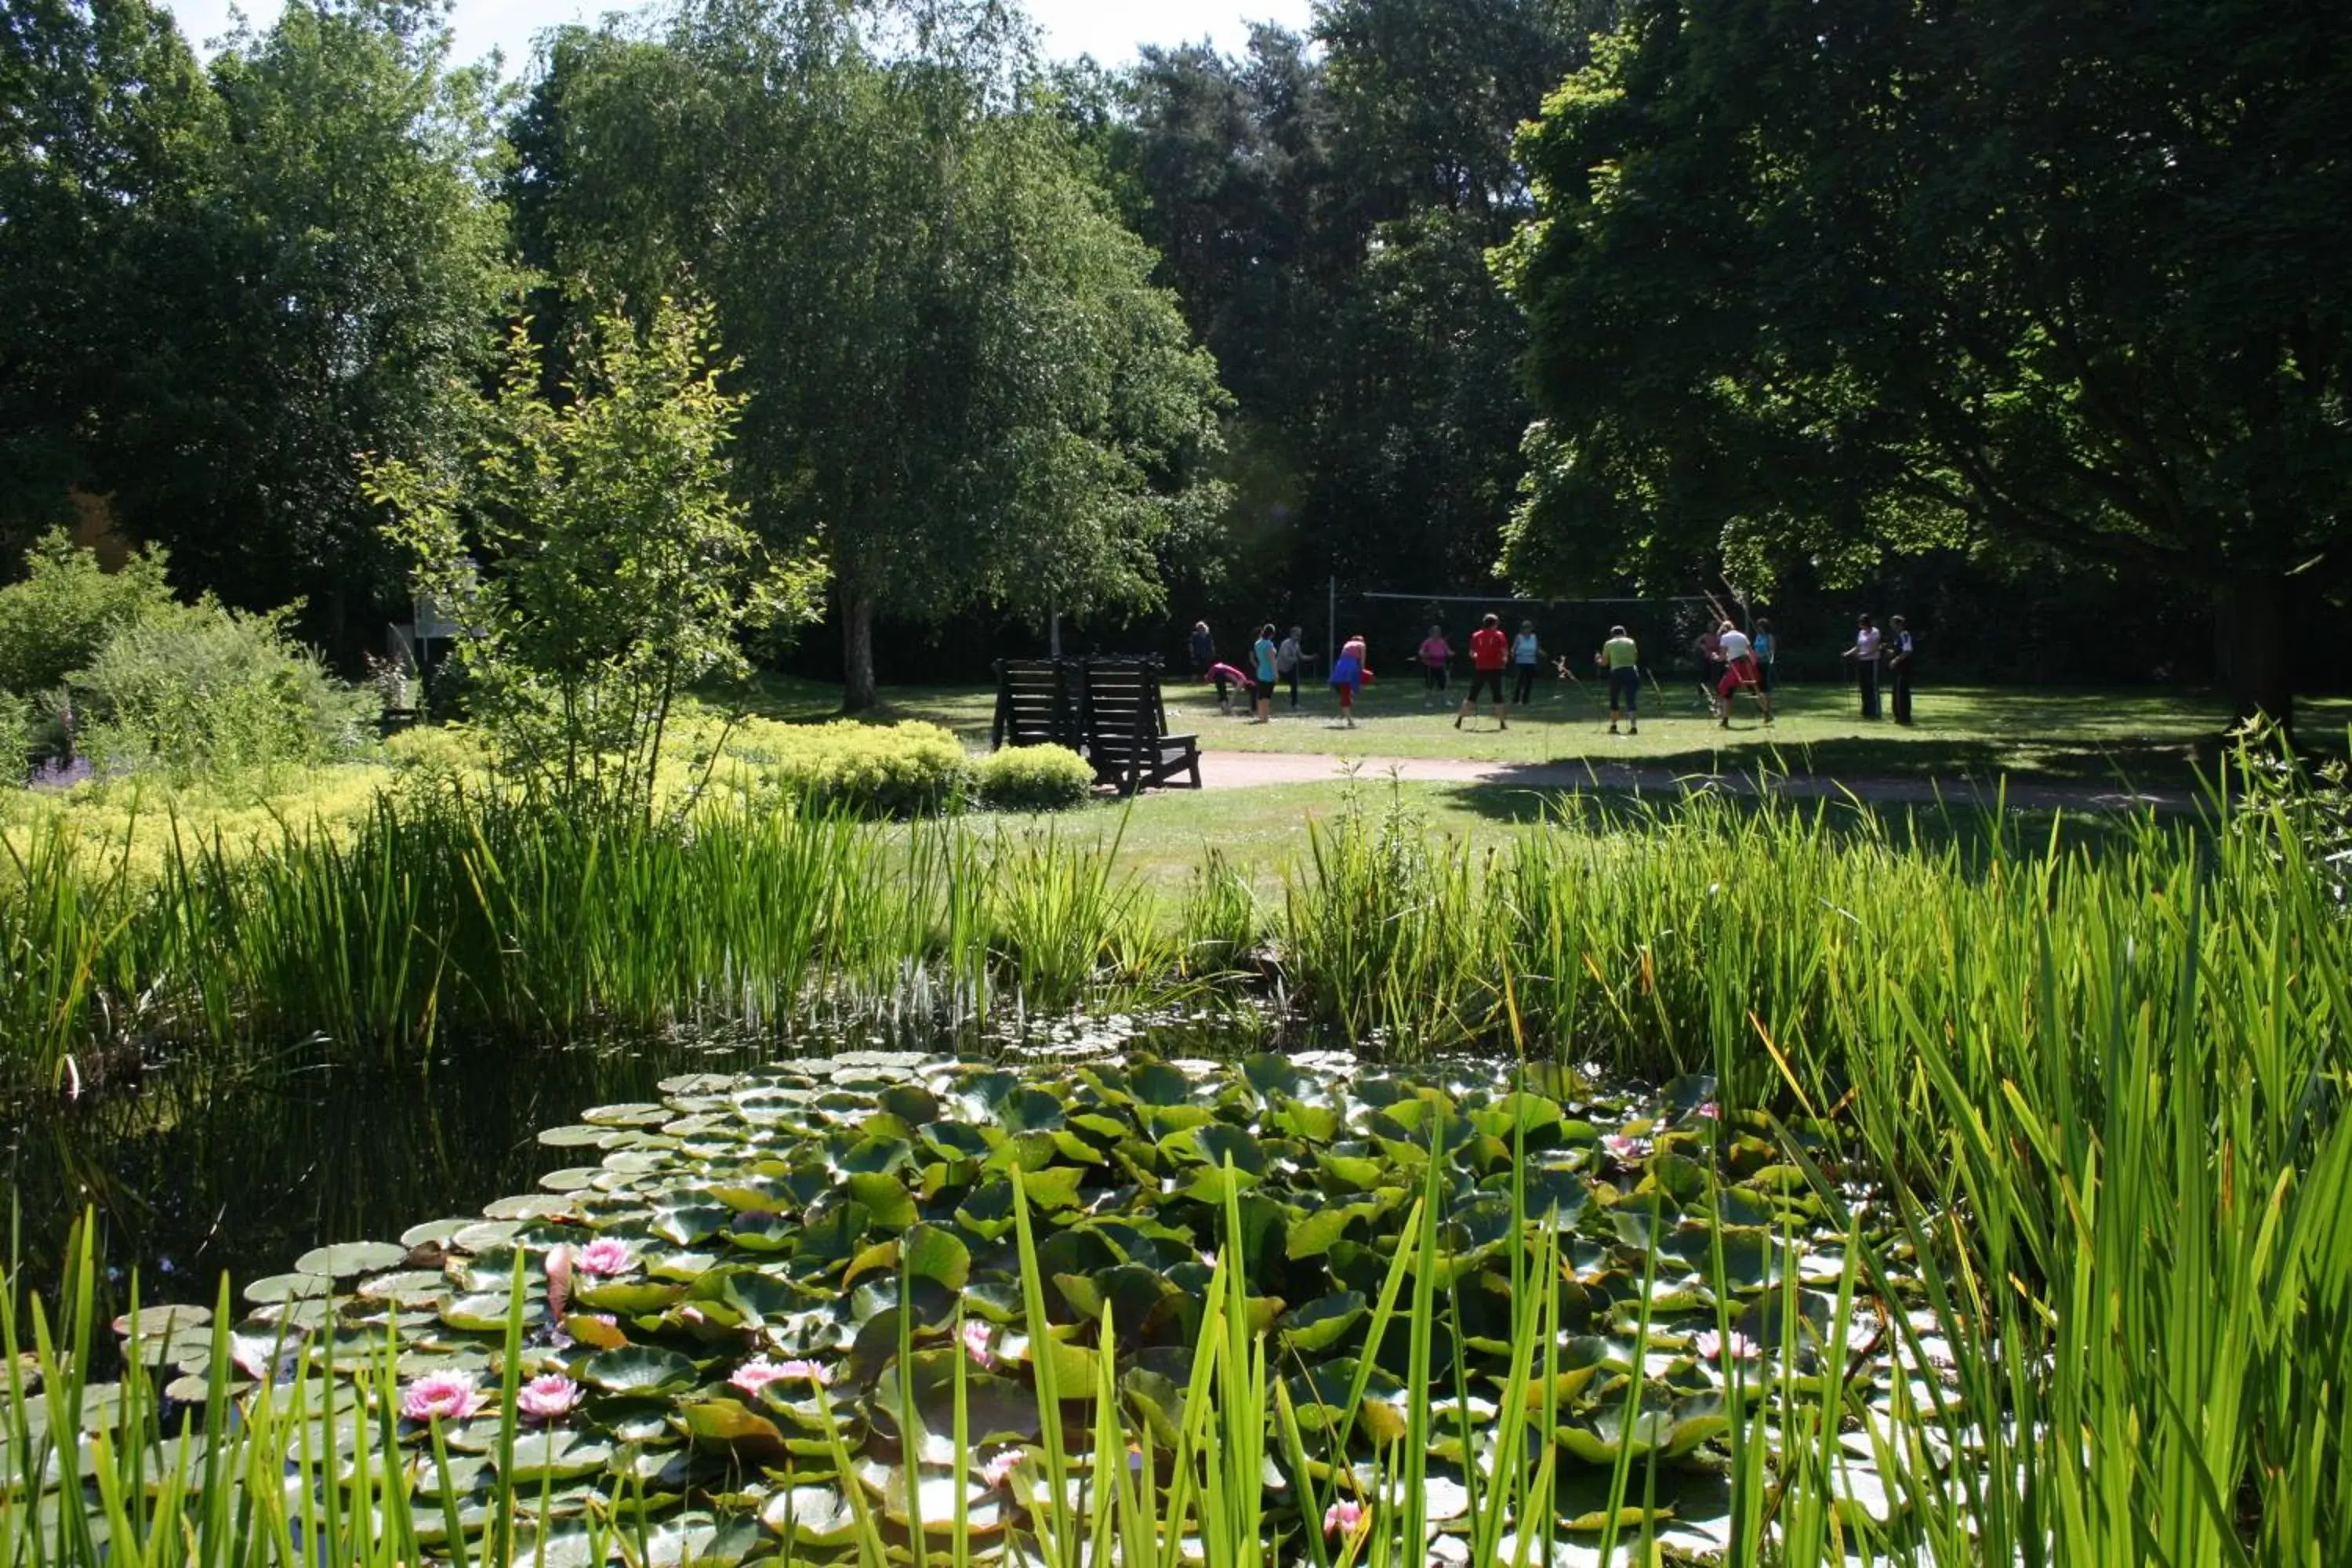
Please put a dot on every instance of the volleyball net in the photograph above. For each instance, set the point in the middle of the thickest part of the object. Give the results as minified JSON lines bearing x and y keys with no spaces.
{"x":1667,"y":628}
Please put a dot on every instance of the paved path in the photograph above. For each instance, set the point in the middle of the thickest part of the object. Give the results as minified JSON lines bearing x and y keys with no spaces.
{"x":1248,"y":770}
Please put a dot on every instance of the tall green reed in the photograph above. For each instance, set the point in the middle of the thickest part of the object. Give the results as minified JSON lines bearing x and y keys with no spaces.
{"x":483,"y":915}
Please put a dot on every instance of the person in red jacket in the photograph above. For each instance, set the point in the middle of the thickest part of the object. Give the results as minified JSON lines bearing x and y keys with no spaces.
{"x":1489,"y":650}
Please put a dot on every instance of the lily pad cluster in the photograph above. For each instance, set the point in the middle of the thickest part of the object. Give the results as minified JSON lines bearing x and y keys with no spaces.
{"x":747,"y":1309}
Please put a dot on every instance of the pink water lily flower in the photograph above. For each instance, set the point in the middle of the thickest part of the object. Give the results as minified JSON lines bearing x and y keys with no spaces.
{"x":1625,"y":1151}
{"x":548,"y":1397}
{"x":559,"y":1281}
{"x":1713,"y":1346}
{"x":266,"y":1360}
{"x":1346,"y":1516}
{"x":975,"y":1345}
{"x":606,"y":1256}
{"x":442,"y":1396}
{"x":998,"y":1467}
{"x":1709,"y":1109}
{"x":756,"y":1374}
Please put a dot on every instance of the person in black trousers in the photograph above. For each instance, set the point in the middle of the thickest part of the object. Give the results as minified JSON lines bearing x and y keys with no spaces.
{"x":1898,"y":667}
{"x":1288,"y":658}
{"x":1864,"y":653}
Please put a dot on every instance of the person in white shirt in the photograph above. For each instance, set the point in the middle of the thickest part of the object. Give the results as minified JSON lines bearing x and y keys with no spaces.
{"x":1525,"y":654}
{"x":1740,"y":674}
{"x":1864,"y":653}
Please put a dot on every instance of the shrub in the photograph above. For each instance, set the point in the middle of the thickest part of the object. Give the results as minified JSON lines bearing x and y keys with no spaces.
{"x":895,"y":770}
{"x":202,"y":689}
{"x":56,"y":619}
{"x":16,"y":738}
{"x":1035,"y":778}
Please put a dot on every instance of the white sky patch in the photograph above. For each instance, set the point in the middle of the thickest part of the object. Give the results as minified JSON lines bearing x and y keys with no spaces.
{"x":1110,"y":30}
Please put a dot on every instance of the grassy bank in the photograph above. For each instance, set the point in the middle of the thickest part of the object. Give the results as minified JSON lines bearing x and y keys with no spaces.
{"x":2149,"y":737}
{"x":1644,"y":936}
{"x":2059,"y":1277}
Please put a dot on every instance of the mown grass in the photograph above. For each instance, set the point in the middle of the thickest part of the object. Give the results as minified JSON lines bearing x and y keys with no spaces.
{"x":2146,"y":736}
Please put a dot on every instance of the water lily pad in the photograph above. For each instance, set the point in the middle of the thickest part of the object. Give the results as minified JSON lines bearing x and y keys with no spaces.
{"x":1322,"y":1323}
{"x":557,"y":1455}
{"x":161,"y":1322}
{"x":885,"y":1199}
{"x":409,"y":1288}
{"x":812,"y":1516}
{"x":638,"y":1370}
{"x":728,"y":1423}
{"x":282,"y":1288}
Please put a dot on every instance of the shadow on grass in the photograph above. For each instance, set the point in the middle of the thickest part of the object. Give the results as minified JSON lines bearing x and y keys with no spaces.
{"x":1977,"y":829}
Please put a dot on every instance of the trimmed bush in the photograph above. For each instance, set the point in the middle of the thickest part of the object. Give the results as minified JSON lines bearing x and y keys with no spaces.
{"x":16,"y":738}
{"x":56,"y":619}
{"x":879,"y":770}
{"x":200,"y":688}
{"x":1035,"y":778}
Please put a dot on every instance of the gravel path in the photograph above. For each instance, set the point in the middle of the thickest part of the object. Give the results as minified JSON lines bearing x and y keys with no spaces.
{"x":1249,"y":770}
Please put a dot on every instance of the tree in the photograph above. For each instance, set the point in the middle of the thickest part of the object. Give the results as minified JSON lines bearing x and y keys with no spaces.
{"x":350,"y":260}
{"x":957,"y":370}
{"x":1325,"y":220}
{"x":222,"y":288}
{"x":1850,"y":278}
{"x":594,"y":551}
{"x":106,"y":128}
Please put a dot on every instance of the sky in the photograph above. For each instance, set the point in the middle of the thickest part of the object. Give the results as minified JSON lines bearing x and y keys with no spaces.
{"x":1108,"y":29}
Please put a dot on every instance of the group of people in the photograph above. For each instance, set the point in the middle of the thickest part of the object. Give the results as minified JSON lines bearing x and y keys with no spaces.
{"x":1521,"y":655}
{"x":1271,"y":663}
{"x":1891,"y":648}
{"x":1733,"y":662}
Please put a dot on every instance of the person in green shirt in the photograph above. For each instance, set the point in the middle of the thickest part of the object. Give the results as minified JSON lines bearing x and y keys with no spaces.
{"x":1622,"y":660}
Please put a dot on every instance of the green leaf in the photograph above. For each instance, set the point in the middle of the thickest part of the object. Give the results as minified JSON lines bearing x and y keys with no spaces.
{"x":885,"y":1200}
{"x":347,"y":1259}
{"x":638,"y":1370}
{"x":1322,"y":1323}
{"x":728,"y":1423}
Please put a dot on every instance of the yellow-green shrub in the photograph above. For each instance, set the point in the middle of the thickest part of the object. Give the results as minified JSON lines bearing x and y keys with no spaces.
{"x":1035,"y":778}
{"x":894,"y":770}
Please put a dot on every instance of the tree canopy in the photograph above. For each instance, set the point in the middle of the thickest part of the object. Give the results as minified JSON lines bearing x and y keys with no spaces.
{"x":958,"y":371}
{"x":1325,"y":214}
{"x":243,"y":278}
{"x":1849,"y":278}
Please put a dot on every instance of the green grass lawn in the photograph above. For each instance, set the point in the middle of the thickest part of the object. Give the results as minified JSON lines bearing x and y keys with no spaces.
{"x":2142,"y":735}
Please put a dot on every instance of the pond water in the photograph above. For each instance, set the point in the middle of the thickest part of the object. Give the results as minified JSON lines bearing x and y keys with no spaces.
{"x":722,"y":1255}
{"x":240,"y":1171}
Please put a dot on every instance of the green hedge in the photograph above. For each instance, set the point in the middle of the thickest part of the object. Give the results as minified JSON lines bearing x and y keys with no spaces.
{"x":16,"y":738}
{"x":1035,"y":778}
{"x":893,"y":770}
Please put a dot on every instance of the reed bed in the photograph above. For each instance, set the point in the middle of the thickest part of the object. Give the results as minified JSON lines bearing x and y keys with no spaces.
{"x":2098,"y":1096}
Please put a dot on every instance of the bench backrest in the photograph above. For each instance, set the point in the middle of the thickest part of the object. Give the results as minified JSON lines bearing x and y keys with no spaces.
{"x":1038,"y":703}
{"x":1124,"y":710}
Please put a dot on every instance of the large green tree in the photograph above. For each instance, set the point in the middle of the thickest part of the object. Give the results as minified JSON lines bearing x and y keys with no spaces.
{"x":958,"y":373}
{"x":225,"y":285}
{"x":1809,"y":281}
{"x":351,"y":256}
{"x":107,"y":126}
{"x":1326,"y":218}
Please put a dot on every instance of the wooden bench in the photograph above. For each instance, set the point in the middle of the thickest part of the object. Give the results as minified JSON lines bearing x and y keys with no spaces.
{"x":1126,"y":728}
{"x":1038,"y":702}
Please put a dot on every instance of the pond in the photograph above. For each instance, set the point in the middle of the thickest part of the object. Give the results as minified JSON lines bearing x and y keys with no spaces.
{"x":829,"y":1308}
{"x":241,"y":1171}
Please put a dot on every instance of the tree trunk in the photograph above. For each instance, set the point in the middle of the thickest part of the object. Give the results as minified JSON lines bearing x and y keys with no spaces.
{"x":856,"y":650}
{"x":2256,"y":616}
